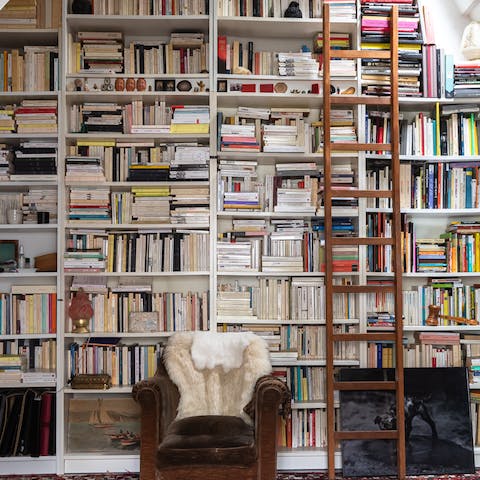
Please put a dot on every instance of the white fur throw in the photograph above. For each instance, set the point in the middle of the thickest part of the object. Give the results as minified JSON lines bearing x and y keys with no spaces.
{"x":218,"y":387}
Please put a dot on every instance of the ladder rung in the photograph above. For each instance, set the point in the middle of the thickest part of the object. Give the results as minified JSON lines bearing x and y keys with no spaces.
{"x":358,"y":147}
{"x":361,"y":337}
{"x":356,"y":100}
{"x":339,"y":193}
{"x":360,"y":386}
{"x":362,"y":241}
{"x":362,"y":289}
{"x":367,"y":435}
{"x":383,"y":54}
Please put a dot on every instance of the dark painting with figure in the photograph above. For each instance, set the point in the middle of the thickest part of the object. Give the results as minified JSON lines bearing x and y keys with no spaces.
{"x":438,"y":427}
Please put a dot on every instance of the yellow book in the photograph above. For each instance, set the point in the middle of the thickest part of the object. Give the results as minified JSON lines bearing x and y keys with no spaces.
{"x":189,"y":128}
{"x":477,"y":251}
{"x":437,"y":129}
{"x":110,"y":243}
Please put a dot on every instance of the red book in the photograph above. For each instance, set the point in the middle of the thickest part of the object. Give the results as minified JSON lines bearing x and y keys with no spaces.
{"x":222,"y":54}
{"x":266,"y":87}
{"x":45,"y":421}
{"x":246,"y":87}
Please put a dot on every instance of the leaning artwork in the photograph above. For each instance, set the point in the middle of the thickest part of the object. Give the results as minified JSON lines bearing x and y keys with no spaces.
{"x":106,"y":425}
{"x":438,"y":428}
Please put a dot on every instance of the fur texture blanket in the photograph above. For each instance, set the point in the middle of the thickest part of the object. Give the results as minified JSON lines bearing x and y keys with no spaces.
{"x":229,"y":366}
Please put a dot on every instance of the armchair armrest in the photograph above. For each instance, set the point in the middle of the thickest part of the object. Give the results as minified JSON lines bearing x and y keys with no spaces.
{"x":158,"y":398}
{"x":271,"y":396}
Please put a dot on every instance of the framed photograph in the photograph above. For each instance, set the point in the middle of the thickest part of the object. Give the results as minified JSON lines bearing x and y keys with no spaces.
{"x":221,"y":85}
{"x":8,"y":251}
{"x":169,"y":85}
{"x":103,"y":424}
{"x":438,"y":427}
{"x":159,"y":85}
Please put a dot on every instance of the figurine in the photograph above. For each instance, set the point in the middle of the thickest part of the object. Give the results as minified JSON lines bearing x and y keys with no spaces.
{"x":119,"y":85}
{"x":141,"y":84}
{"x":293,"y":11}
{"x":82,"y":6}
{"x":78,"y":84}
{"x":130,"y":85}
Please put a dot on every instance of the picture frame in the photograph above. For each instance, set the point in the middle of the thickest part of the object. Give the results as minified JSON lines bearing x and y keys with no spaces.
{"x":159,"y":85}
{"x":169,"y":85}
{"x":438,"y":428}
{"x":221,"y":85}
{"x":8,"y":251}
{"x":103,"y":424}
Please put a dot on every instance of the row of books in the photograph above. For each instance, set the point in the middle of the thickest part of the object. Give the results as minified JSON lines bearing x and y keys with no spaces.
{"x":345,"y":9}
{"x":451,"y":131}
{"x":28,"y":309}
{"x":31,"y":14}
{"x":434,"y":349}
{"x":279,"y":251}
{"x":306,"y":427}
{"x":105,"y":52}
{"x":134,"y":251}
{"x":147,"y":312}
{"x":32,"y":68}
{"x":114,"y":118}
{"x":297,"y":299}
{"x":305,"y":383}
{"x":37,"y":357}
{"x":146,"y":7}
{"x":308,"y":341}
{"x":120,"y":161}
{"x":126,"y":364}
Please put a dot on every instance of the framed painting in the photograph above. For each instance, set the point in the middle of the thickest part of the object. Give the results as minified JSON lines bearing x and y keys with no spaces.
{"x":103,"y":424}
{"x":8,"y":251}
{"x":438,"y":427}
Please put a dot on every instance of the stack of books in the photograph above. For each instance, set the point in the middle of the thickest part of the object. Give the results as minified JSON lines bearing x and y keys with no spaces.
{"x":5,"y":155}
{"x":294,"y":64}
{"x":190,"y":119}
{"x":375,"y":36}
{"x":190,"y":162}
{"x":36,"y":116}
{"x":190,"y":205}
{"x":10,"y":368}
{"x":34,"y":161}
{"x":431,"y":255}
{"x":99,"y":117}
{"x":100,"y":52}
{"x":87,"y":205}
{"x":342,"y":9}
{"x":339,"y":67}
{"x":150,"y":204}
{"x":239,"y":138}
{"x":84,"y":169}
{"x":467,"y":79}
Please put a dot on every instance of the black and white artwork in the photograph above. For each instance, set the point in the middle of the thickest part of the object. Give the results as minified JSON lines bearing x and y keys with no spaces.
{"x":438,"y":427}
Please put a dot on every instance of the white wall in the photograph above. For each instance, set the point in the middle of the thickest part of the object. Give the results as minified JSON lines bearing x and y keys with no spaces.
{"x":448,"y":24}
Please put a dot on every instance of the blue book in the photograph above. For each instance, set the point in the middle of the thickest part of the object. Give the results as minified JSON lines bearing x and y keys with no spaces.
{"x":449,"y":83}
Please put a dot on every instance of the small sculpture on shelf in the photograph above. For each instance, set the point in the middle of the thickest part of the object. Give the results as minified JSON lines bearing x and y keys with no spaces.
{"x":293,"y":11}
{"x":82,"y":6}
{"x":80,"y":311}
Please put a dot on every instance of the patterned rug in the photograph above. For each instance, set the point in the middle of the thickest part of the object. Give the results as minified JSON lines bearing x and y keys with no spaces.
{"x":280,"y":476}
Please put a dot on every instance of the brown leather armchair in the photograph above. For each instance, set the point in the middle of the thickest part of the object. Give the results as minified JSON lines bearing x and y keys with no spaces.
{"x":208,"y":447}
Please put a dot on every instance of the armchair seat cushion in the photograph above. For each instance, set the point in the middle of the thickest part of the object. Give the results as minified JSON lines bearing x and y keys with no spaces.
{"x":208,"y":439}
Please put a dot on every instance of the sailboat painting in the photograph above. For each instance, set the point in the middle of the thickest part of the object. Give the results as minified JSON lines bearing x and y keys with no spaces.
{"x":106,"y":425}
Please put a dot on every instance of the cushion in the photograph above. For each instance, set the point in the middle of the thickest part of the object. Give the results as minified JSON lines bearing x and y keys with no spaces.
{"x":207,"y":439}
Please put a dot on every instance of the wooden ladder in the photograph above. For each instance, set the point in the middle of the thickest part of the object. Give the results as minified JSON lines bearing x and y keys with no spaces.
{"x":397,"y":385}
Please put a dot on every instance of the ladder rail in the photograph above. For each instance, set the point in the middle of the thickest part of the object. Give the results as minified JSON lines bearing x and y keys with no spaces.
{"x":327,"y":202}
{"x":398,"y":385}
